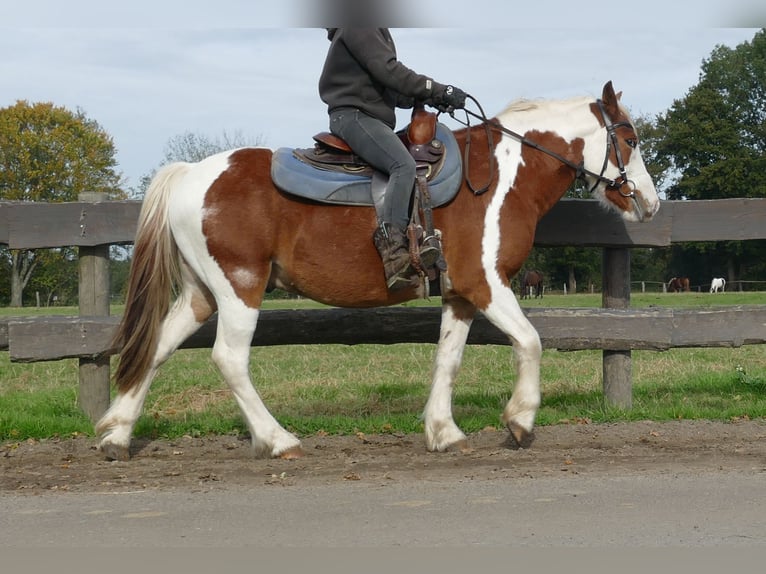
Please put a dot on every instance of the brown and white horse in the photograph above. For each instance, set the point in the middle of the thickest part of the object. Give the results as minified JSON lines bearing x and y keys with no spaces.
{"x":218,"y":233}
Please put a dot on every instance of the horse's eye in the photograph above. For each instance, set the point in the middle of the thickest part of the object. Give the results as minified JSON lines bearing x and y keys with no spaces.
{"x":632,"y":143}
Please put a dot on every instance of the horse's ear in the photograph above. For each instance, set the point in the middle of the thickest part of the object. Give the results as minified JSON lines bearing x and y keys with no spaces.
{"x":609,"y":98}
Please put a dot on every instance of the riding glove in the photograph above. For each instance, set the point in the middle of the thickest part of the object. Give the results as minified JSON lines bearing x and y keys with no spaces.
{"x":449,"y":98}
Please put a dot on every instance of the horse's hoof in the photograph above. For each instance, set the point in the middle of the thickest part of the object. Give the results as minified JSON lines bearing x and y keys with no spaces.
{"x":521,"y":436}
{"x":462,"y":447}
{"x":291,"y":453}
{"x":115,"y":452}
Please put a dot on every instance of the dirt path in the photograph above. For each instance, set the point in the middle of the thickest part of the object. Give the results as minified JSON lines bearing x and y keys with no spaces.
{"x":218,"y":463}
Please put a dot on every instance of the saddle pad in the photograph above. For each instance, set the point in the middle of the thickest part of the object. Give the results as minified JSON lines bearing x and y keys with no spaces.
{"x":293,"y":176}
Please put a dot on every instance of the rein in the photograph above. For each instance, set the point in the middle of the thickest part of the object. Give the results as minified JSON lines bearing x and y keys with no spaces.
{"x":580,"y":170}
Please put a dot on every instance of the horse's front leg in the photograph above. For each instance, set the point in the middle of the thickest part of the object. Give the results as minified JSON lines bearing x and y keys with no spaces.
{"x":519,"y":414}
{"x":440,"y":429}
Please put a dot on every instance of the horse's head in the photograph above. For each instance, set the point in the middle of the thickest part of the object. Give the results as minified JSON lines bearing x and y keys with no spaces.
{"x":615,"y":171}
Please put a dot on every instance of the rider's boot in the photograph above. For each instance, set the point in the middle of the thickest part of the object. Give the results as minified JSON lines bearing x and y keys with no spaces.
{"x":391,"y":242}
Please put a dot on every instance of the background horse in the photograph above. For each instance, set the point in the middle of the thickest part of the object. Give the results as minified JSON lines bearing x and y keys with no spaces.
{"x":678,"y":284}
{"x":532,"y":279}
{"x":718,"y":283}
{"x":218,"y":233}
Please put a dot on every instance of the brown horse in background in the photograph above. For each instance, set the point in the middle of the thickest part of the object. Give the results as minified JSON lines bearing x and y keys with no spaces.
{"x":532,"y":279}
{"x":219,"y":233}
{"x":678,"y":284}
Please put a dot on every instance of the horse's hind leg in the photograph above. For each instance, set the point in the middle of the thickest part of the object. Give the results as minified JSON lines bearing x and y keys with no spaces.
{"x":440,"y":429}
{"x":191,"y":309}
{"x":231,"y":353}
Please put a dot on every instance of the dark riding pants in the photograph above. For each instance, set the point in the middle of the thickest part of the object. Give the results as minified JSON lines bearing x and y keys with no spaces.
{"x":377,"y":144}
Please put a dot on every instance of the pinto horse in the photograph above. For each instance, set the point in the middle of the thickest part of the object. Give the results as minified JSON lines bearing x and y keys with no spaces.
{"x":678,"y":284}
{"x":219,"y":233}
{"x":529,"y":280}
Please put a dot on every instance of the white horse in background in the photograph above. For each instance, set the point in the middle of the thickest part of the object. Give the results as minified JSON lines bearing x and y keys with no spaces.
{"x":718,"y":283}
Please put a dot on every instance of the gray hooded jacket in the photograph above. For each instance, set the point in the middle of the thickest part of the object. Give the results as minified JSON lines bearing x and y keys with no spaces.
{"x":361,"y":71}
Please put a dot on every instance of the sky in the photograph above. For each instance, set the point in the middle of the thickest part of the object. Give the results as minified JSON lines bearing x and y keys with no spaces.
{"x":149,"y":72}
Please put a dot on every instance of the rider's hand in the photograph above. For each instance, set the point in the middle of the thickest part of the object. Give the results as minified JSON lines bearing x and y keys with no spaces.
{"x":449,"y":98}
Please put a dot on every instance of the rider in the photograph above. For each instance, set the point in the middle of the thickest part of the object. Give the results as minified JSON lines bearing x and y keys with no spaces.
{"x":362,"y":83}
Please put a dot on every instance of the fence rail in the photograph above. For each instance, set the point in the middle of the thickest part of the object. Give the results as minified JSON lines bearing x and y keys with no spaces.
{"x":567,"y":329}
{"x":93,"y":225}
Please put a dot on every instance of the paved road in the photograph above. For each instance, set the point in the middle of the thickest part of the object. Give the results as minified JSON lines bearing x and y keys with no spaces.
{"x":661,"y":510}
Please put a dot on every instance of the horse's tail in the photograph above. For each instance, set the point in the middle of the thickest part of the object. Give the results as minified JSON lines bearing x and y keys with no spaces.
{"x":154,"y":276}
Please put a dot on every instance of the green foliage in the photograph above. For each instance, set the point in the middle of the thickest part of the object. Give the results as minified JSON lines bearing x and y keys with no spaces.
{"x":650,"y":135}
{"x":50,"y":154}
{"x":714,"y":139}
{"x":55,"y":279}
{"x":711,"y":144}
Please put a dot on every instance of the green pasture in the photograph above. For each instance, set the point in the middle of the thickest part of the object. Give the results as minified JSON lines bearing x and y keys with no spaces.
{"x":374,"y":388}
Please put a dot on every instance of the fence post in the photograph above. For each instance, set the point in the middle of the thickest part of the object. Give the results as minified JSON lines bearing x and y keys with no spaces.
{"x":94,"y":291}
{"x":617,"y":381}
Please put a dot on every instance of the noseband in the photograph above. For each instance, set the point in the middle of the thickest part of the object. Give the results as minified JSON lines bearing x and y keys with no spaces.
{"x":580,"y":170}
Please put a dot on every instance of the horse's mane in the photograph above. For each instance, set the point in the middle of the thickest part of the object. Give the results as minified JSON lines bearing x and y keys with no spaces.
{"x":550,"y":106}
{"x":522,"y":105}
{"x":527,"y":105}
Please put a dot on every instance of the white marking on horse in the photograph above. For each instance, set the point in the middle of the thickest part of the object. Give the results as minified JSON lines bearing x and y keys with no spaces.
{"x":244,"y":277}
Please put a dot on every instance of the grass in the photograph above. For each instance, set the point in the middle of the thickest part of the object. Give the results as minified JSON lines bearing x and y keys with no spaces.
{"x":341,"y":389}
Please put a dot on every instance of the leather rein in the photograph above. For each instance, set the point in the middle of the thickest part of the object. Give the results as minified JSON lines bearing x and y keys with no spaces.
{"x":580,"y":170}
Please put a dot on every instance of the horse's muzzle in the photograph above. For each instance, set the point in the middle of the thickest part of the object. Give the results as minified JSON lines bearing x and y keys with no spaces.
{"x":643,"y":209}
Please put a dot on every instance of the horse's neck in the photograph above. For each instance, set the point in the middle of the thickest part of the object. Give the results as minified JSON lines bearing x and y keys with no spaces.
{"x":561,"y":126}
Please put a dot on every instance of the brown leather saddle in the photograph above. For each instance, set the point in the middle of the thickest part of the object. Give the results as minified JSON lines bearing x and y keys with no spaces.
{"x":330,"y":152}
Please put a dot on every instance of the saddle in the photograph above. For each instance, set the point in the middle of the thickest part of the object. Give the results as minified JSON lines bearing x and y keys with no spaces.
{"x":331,"y":153}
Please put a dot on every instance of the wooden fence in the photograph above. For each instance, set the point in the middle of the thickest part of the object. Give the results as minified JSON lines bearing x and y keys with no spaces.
{"x":93,"y":225}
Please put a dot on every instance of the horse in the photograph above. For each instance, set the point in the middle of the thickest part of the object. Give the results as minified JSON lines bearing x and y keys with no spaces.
{"x":678,"y":284}
{"x":217,"y":234}
{"x":718,"y":283}
{"x":529,"y":280}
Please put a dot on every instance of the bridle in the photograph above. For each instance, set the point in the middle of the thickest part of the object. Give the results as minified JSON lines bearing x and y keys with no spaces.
{"x":580,"y":170}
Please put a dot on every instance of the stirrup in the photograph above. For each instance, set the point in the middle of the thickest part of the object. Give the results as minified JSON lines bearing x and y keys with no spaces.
{"x":429,"y":253}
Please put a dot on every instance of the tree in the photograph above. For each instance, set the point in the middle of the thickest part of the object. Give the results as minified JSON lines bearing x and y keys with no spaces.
{"x":568,"y":265}
{"x":48,"y":153}
{"x":714,"y":139}
{"x":650,"y":135}
{"x":712,"y":145}
{"x":56,"y":277}
{"x":194,"y":147}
